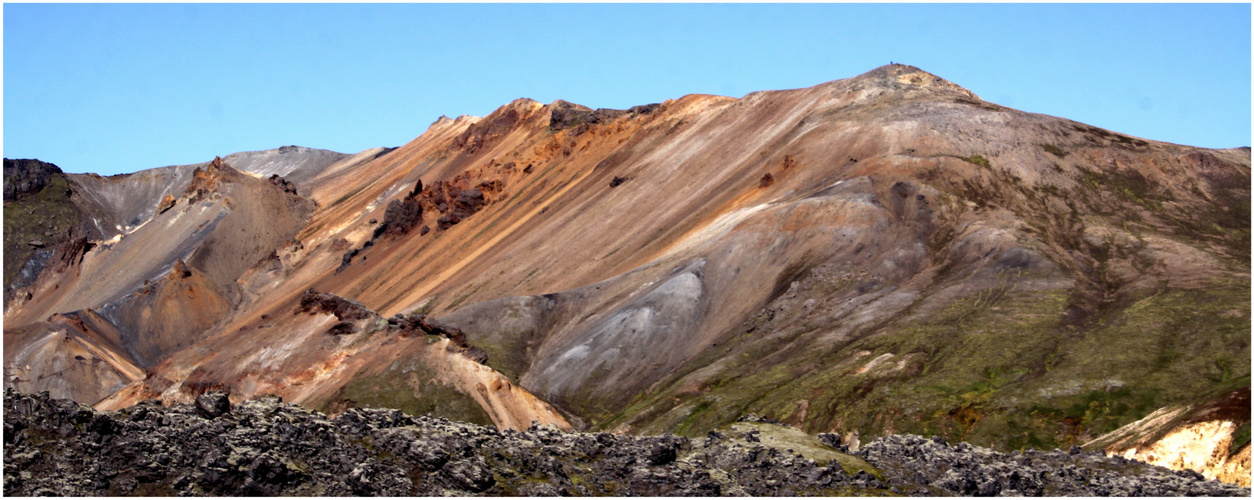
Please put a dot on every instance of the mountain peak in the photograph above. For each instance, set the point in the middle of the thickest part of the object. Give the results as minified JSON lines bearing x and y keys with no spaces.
{"x":905,"y":77}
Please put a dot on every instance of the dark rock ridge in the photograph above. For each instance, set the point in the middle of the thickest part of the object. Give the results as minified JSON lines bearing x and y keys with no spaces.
{"x":357,"y":318}
{"x":453,"y":200}
{"x":266,"y":447}
{"x":578,"y":118}
{"x":22,"y":177}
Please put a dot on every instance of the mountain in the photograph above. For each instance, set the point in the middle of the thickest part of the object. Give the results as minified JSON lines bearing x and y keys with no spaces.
{"x":881,"y":254}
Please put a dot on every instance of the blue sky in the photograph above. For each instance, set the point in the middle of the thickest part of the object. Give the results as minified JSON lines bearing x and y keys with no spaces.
{"x":112,"y":88}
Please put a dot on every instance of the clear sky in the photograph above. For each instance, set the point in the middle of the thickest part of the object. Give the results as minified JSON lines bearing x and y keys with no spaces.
{"x":112,"y":88}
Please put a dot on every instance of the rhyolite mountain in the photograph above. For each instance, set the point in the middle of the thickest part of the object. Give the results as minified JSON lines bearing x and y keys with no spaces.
{"x":883,"y":254}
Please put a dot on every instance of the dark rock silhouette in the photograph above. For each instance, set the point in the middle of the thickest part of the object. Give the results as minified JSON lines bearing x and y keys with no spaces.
{"x":22,"y":177}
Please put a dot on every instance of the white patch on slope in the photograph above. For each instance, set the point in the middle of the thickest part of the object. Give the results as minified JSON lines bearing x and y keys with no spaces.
{"x":641,"y":336}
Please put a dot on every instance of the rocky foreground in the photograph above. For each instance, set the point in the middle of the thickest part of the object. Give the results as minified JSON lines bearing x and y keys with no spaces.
{"x":266,"y":447}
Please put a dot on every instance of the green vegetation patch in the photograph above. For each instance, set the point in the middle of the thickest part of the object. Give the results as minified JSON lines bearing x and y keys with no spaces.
{"x":976,"y":159}
{"x":413,"y":388}
{"x":507,"y":353}
{"x":1240,"y":439}
{"x":1054,"y":150}
{"x":795,"y":442}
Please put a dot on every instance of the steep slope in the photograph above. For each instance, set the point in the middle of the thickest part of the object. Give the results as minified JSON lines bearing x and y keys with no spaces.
{"x":886,"y":253}
{"x":40,"y":217}
{"x":49,"y":208}
{"x":160,"y":287}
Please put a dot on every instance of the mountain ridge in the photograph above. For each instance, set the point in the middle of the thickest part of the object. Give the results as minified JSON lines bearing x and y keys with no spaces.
{"x":881,"y":253}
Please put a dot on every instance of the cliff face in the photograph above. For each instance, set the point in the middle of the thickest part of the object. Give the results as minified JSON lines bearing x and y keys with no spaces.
{"x":881,"y":254}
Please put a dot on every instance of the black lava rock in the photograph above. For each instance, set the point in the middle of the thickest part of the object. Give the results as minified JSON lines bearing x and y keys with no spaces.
{"x":265,"y":447}
{"x":213,"y":404}
{"x":23,"y":177}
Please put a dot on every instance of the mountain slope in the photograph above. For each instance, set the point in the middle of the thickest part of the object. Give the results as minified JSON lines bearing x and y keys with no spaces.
{"x":885,"y":253}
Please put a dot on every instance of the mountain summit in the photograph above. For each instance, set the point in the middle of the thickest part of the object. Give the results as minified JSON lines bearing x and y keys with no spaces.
{"x":881,"y":254}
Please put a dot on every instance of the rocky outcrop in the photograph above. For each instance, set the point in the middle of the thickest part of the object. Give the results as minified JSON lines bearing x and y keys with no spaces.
{"x":205,"y":179}
{"x":482,"y":134}
{"x":456,"y":200}
{"x":23,"y":177}
{"x":401,"y":217}
{"x":266,"y":447}
{"x":283,"y":184}
{"x":166,"y":204}
{"x":355,"y":318}
{"x":343,"y":309}
{"x":567,"y":115}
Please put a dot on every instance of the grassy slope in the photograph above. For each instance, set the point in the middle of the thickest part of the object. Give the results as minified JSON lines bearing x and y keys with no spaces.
{"x":1005,"y":374}
{"x":46,"y":216}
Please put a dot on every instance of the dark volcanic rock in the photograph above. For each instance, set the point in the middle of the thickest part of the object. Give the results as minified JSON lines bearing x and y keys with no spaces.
{"x":932,"y":467}
{"x":282,"y":183}
{"x":566,"y":115}
{"x":265,"y":447}
{"x":213,"y":404}
{"x":447,"y":221}
{"x":22,"y":177}
{"x":467,"y":202}
{"x":342,"y":308}
{"x":401,"y":217}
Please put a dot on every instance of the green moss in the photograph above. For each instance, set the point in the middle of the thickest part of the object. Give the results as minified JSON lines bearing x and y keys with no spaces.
{"x":1240,"y":438}
{"x":412,"y":388}
{"x":796,"y":442}
{"x":507,"y":352}
{"x":977,"y":160}
{"x":1054,"y":150}
{"x":687,"y":424}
